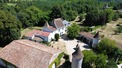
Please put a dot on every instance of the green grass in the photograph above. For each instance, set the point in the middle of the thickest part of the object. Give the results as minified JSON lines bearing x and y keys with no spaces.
{"x":57,"y":60}
{"x":96,"y":27}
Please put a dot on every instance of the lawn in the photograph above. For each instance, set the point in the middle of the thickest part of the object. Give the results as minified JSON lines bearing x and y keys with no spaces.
{"x":26,"y":30}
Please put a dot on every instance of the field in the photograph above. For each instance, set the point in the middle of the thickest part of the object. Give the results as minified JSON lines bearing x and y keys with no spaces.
{"x":109,"y":32}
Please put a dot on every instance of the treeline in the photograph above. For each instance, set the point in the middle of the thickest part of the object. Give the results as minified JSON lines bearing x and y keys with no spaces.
{"x":31,"y":13}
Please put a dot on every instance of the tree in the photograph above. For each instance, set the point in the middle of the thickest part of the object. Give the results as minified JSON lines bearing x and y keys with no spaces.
{"x":109,"y":15}
{"x":89,"y":59}
{"x":73,"y":31}
{"x":81,"y":17}
{"x":119,"y":29}
{"x":118,"y":55}
{"x":111,"y":64}
{"x":100,"y":61}
{"x":116,"y":16}
{"x":92,"y":18}
{"x":9,"y":28}
{"x":55,"y":13}
{"x":107,"y":47}
{"x":71,"y":15}
{"x":30,"y":16}
{"x":56,"y":37}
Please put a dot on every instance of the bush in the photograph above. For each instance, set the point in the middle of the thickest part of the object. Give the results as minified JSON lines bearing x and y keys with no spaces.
{"x":116,"y":16}
{"x":86,"y":29}
{"x":57,"y":60}
{"x":24,"y":37}
{"x":107,"y":47}
{"x":56,"y":37}
{"x":111,"y":64}
{"x":120,"y":15}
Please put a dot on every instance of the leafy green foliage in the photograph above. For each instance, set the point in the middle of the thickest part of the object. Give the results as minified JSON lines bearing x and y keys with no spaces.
{"x":56,"y":37}
{"x":119,"y":29}
{"x":30,"y":16}
{"x":73,"y":31}
{"x":111,"y":64}
{"x":118,"y":55}
{"x":56,"y":13}
{"x":109,"y":15}
{"x":92,"y":18}
{"x":108,"y":47}
{"x":89,"y":59}
{"x":9,"y":28}
{"x":81,"y":17}
{"x":101,"y":61}
{"x":57,"y":60}
{"x":116,"y":16}
{"x":96,"y":17}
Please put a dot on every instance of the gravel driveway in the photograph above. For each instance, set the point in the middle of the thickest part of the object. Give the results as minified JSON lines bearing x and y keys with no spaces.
{"x":70,"y":44}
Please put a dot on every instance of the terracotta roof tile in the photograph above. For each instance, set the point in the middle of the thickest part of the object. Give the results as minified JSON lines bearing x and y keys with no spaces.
{"x":28,"y":54}
{"x":86,"y":34}
{"x":58,"y":22}
{"x":49,"y":27}
{"x":37,"y":32}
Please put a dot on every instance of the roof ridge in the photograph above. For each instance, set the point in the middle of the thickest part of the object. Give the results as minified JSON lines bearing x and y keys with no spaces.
{"x":46,"y":24}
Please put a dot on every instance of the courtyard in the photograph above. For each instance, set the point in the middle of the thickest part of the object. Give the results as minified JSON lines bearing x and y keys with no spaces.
{"x":68,"y":46}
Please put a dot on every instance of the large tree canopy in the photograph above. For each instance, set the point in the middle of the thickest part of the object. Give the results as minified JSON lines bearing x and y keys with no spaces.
{"x":108,"y":47}
{"x":89,"y":59}
{"x":9,"y":28}
{"x":73,"y":31}
{"x":30,"y":16}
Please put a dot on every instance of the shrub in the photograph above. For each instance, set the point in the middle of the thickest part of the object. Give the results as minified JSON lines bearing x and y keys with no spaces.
{"x":116,"y":16}
{"x":57,"y":60}
{"x":56,"y":37}
{"x":86,"y":29}
{"x":120,"y":15}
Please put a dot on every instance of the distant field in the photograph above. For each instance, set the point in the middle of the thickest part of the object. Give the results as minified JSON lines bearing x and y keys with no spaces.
{"x":109,"y":29}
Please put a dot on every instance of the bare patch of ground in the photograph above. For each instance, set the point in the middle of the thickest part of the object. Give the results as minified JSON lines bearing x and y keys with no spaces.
{"x":59,"y":45}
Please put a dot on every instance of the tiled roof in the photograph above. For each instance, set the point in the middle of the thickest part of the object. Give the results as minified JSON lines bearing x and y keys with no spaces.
{"x":58,"y":22}
{"x":52,"y":28}
{"x":49,"y":27}
{"x":37,"y":32}
{"x":28,"y":54}
{"x":86,"y":34}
